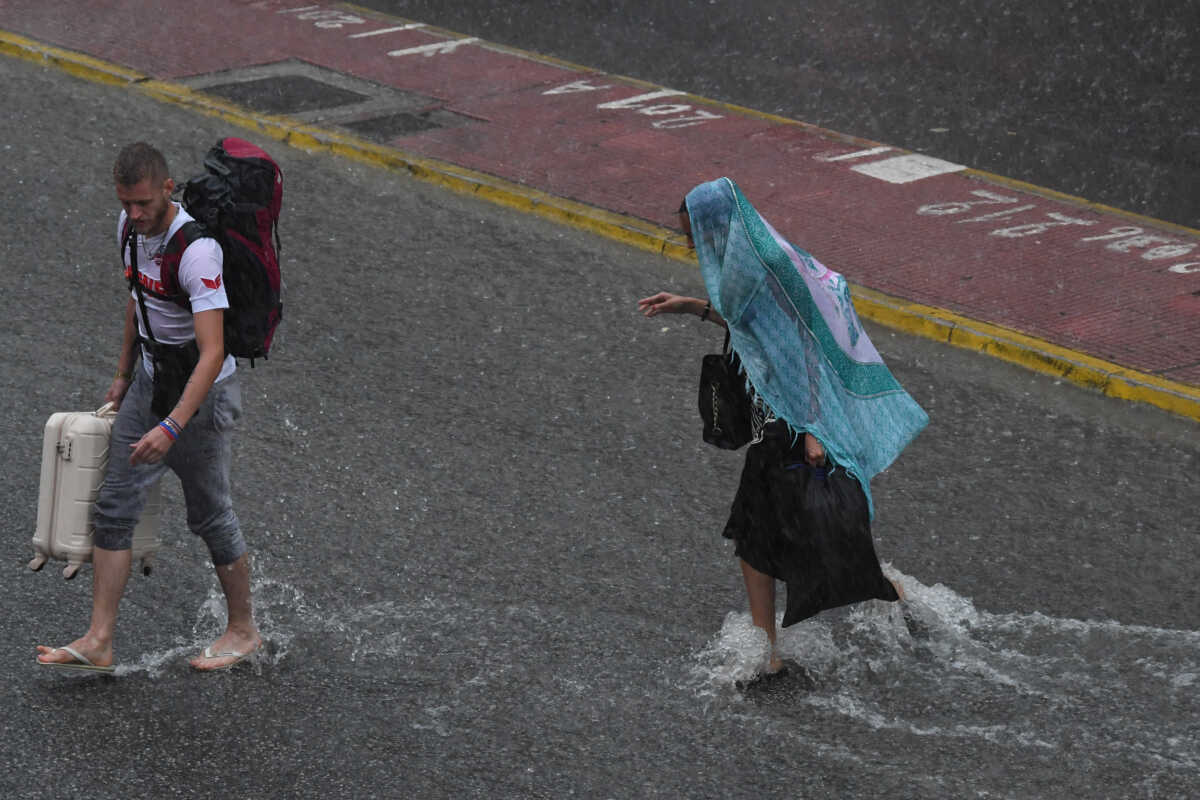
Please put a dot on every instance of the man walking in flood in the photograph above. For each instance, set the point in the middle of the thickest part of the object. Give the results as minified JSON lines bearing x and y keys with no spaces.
{"x":178,"y":399}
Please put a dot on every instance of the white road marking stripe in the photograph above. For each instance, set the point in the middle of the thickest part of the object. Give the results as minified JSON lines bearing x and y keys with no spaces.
{"x":874,"y":151}
{"x":906,"y":169}
{"x":434,"y":49}
{"x":381,"y":31}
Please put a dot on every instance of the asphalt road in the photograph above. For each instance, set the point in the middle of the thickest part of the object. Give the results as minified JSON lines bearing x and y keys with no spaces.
{"x":1092,"y":99}
{"x":486,"y":532}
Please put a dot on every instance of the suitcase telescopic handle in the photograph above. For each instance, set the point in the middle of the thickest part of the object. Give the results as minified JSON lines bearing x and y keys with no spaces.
{"x":107,"y":408}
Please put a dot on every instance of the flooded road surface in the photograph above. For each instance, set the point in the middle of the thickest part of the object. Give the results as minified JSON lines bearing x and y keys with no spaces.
{"x":488,"y":559}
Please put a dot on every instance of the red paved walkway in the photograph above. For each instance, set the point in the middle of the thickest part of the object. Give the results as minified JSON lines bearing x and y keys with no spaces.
{"x":1123,"y":289}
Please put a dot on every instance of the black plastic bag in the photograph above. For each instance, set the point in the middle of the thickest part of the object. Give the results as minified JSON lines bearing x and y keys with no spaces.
{"x":827,"y":523}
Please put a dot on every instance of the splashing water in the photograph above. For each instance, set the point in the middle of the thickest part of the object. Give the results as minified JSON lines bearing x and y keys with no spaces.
{"x":938,"y":667}
{"x":283,"y":613}
{"x":279,"y":610}
{"x":934,"y":673}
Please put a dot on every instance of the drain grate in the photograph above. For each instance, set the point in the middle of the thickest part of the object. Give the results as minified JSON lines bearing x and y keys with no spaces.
{"x":381,"y":129}
{"x":286,"y":94}
{"x":320,"y":96}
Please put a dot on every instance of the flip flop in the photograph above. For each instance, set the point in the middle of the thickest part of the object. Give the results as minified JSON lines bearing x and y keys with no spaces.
{"x":81,"y":662}
{"x":238,"y":657}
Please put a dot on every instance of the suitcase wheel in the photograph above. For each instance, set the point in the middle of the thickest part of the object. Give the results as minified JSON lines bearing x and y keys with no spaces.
{"x":38,"y":562}
{"x":71,"y":570}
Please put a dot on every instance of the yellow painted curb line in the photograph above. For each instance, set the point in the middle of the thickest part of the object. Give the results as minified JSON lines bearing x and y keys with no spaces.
{"x":77,"y":64}
{"x":925,"y":321}
{"x":1028,"y":351}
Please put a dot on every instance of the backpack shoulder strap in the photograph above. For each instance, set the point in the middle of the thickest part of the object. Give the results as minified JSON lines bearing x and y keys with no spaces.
{"x":126,"y":230}
{"x":129,"y":237}
{"x":172,"y":256}
{"x":169,"y":270}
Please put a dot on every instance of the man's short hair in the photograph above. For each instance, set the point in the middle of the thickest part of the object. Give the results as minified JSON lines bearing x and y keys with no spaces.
{"x":137,"y":162}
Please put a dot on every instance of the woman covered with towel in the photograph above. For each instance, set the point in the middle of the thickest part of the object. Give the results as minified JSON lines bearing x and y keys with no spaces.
{"x":827,"y":413}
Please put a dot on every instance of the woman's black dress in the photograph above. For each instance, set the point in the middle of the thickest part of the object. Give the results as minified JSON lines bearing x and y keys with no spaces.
{"x":809,"y":527}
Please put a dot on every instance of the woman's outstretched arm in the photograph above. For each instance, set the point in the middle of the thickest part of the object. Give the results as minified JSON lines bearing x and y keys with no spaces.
{"x":667,"y":303}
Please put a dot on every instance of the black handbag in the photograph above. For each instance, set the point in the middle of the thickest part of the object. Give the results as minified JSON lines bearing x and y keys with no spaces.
{"x":724,"y":400}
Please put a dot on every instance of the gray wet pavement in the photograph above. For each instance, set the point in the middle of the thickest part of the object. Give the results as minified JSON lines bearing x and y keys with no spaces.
{"x":487,"y":542}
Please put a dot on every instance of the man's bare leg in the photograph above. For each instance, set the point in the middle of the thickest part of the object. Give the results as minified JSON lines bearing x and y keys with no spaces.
{"x":241,"y":634}
{"x":110,"y":573}
{"x":760,"y":588}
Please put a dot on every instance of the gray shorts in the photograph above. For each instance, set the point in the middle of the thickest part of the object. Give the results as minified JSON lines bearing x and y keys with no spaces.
{"x":201,"y":458}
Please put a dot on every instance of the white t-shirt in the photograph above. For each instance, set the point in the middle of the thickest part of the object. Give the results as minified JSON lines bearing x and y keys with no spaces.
{"x":200,"y":278}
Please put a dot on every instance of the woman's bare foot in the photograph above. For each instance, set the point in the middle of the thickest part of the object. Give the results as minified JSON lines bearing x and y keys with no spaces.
{"x":899,"y":590}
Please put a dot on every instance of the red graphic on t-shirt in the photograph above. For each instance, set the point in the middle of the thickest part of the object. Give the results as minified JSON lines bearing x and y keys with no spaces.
{"x":152,"y":284}
{"x":212,"y":283}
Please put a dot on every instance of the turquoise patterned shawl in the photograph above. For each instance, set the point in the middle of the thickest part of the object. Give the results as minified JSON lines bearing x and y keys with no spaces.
{"x":793,"y":325}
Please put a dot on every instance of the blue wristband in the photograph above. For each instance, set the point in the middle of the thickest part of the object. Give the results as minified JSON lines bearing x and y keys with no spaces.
{"x":170,"y":432}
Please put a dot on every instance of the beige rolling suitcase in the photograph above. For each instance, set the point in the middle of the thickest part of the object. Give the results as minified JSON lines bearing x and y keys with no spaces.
{"x":74,"y":456}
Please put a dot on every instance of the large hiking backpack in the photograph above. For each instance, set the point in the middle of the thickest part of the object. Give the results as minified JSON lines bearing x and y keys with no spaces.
{"x":236,"y":201}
